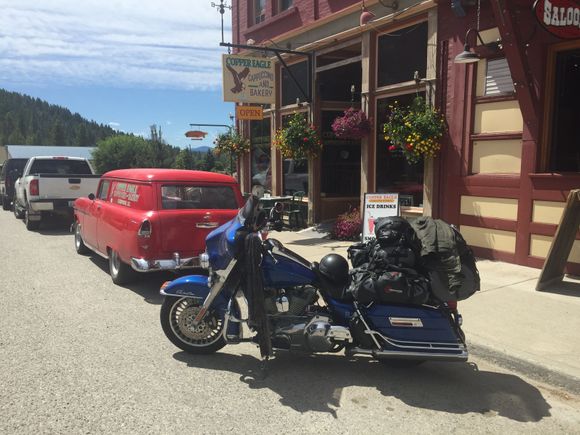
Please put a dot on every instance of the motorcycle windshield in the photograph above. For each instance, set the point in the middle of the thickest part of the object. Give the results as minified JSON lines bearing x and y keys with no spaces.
{"x":221,"y":242}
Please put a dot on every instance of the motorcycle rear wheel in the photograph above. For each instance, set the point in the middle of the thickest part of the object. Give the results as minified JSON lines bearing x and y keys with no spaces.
{"x":177,"y":316}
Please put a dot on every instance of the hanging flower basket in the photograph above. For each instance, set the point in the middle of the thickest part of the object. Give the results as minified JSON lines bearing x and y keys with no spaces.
{"x":354,"y":125}
{"x":231,"y":142}
{"x":298,"y":140}
{"x":414,"y":131}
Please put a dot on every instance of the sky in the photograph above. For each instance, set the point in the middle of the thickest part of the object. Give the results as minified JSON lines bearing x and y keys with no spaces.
{"x":124,"y":63}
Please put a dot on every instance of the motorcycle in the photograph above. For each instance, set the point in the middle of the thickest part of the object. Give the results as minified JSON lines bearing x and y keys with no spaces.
{"x":256,"y":290}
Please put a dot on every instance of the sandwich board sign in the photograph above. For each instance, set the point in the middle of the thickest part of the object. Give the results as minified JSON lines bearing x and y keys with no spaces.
{"x":377,"y":205}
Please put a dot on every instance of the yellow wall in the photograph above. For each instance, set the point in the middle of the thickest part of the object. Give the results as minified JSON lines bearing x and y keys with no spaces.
{"x":501,"y":208}
{"x":503,"y":116}
{"x":540,"y":245}
{"x":492,"y":239}
{"x":497,"y":157}
{"x":547,"y":212}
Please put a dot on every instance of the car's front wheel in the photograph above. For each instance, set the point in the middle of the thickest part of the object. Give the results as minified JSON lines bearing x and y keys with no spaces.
{"x":80,"y":246}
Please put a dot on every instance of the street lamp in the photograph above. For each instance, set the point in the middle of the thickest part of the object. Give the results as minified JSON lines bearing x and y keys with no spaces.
{"x":468,"y":56}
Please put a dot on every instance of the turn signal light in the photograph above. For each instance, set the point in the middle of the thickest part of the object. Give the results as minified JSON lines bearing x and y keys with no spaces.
{"x":33,"y":188}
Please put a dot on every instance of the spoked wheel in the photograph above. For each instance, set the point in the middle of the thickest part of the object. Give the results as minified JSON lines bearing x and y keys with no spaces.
{"x":177,"y":315}
{"x":120,"y":272}
{"x":80,"y":246}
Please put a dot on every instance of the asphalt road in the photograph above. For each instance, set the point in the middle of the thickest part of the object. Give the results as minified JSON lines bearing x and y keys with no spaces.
{"x":79,"y":354}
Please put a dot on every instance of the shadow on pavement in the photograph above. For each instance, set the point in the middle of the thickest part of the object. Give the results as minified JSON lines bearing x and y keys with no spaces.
{"x":315,"y":383}
{"x":569,"y":287}
{"x":146,"y":285}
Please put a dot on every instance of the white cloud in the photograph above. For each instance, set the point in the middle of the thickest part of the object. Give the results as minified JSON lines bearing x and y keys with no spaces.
{"x":170,"y":44}
{"x":114,"y":125}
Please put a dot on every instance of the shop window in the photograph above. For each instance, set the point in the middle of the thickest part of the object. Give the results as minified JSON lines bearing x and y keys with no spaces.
{"x":393,"y":172}
{"x":294,"y":171}
{"x":284,"y":5}
{"x":334,"y":84}
{"x":341,"y":162}
{"x":258,"y":11}
{"x":564,"y":151}
{"x":498,"y":78}
{"x":261,"y":167}
{"x":291,"y":92}
{"x":402,"y":53}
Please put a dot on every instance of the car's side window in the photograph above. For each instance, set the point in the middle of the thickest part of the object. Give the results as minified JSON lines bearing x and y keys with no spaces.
{"x":104,"y":189}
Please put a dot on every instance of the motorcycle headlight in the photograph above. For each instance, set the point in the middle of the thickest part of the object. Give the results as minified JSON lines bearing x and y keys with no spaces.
{"x":204,"y":260}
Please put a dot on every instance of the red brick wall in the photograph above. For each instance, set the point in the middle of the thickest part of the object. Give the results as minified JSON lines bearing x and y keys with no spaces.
{"x":302,"y":13}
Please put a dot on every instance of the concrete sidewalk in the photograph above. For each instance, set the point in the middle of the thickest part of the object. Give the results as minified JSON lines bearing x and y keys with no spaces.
{"x":507,"y":321}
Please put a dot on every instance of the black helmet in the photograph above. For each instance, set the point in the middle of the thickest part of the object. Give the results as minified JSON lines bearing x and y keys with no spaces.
{"x":334,"y":267}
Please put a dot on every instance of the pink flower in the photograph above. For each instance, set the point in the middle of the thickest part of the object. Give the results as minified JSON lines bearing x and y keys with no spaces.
{"x":392,"y":148}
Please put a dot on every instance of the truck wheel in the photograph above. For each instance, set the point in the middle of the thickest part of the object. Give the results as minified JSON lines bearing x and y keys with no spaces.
{"x":30,"y":225}
{"x":17,"y":211}
{"x":80,"y":246}
{"x":121,"y":273}
{"x":177,"y":316}
{"x":5,"y":203}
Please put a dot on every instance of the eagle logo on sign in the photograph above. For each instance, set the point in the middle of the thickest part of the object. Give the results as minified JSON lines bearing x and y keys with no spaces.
{"x":238,"y":77}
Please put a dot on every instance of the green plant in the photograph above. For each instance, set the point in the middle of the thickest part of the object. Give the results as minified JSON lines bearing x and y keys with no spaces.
{"x":415,"y":131}
{"x":231,"y":142}
{"x":348,"y":226}
{"x":298,"y":140}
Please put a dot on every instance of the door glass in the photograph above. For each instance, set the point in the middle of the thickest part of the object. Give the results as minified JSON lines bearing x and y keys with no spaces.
{"x":565,"y":151}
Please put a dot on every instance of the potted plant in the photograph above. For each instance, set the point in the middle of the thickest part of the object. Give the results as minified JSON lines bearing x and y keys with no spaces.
{"x":353,"y":124}
{"x":298,"y":140}
{"x":231,"y":142}
{"x":414,"y":131}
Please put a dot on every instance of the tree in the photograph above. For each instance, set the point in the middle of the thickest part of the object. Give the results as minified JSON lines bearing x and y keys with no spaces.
{"x":121,"y":151}
{"x":184,"y":160}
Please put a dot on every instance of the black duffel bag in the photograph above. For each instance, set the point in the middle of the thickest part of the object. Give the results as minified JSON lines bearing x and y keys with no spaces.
{"x":358,"y":254}
{"x":389,"y":286}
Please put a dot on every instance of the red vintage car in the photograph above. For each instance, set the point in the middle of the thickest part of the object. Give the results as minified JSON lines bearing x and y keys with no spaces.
{"x":153,"y":219}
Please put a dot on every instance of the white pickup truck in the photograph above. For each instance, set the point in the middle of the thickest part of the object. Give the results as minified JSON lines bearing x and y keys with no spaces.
{"x":49,"y":185}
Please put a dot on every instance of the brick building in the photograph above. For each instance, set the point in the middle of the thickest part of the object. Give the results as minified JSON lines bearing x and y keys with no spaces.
{"x":510,"y":156}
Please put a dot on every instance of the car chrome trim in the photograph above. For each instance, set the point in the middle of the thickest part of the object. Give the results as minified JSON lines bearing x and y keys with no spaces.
{"x":207,"y":225}
{"x":143,"y":265}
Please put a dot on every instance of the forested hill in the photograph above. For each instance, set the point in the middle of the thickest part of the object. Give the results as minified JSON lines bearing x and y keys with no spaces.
{"x":30,"y":121}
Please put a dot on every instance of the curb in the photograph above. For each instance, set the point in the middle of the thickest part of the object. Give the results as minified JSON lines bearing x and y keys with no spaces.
{"x":534,"y":371}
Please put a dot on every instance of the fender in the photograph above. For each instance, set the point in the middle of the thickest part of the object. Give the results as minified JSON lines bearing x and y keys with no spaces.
{"x":190,"y":286}
{"x":194,"y":287}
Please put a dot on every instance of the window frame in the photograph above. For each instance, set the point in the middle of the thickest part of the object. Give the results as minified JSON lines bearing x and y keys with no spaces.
{"x":545,"y":145}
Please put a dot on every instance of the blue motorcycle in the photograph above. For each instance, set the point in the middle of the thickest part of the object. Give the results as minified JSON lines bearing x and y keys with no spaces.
{"x":258,"y":291}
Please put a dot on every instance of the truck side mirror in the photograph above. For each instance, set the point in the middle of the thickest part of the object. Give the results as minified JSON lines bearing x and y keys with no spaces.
{"x":92,"y":196}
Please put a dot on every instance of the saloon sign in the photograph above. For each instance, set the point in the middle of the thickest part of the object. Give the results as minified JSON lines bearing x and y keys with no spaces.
{"x":559,"y":17}
{"x":248,"y":79}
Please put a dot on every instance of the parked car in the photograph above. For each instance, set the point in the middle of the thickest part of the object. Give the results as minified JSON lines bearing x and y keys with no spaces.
{"x":153,"y":219}
{"x":49,"y":185}
{"x":11,"y":171}
{"x":295,"y":176}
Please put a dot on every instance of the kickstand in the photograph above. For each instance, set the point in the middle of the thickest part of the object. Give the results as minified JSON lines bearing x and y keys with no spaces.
{"x":264,"y":367}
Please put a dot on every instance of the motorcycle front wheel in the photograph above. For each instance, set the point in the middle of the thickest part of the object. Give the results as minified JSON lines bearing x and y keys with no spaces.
{"x":177,"y":315}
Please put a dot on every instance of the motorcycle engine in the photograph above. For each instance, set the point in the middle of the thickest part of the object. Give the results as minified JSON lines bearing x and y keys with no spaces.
{"x":300,"y":327}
